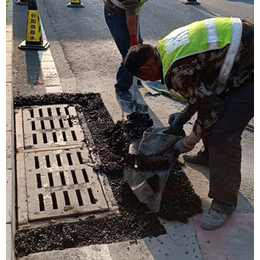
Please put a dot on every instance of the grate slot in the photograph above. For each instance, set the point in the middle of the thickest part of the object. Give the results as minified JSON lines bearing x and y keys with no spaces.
{"x":39,"y":181}
{"x":54,"y":136}
{"x":40,"y":112}
{"x":49,"y":111}
{"x":48,"y":163}
{"x":52,"y":124}
{"x":33,"y":125}
{"x":80,"y":201}
{"x":44,"y":137}
{"x":74,"y":135}
{"x":34,"y":138}
{"x":36,"y":162}
{"x":91,"y":196}
{"x":84,"y":172}
{"x":31,"y":113}
{"x":80,"y":157}
{"x":58,"y":159}
{"x":54,"y":200}
{"x":69,"y":158}
{"x":70,"y":122}
{"x":61,"y":123}
{"x":62,"y":178}
{"x":42,"y":125}
{"x":51,"y":182}
{"x":66,"y":110}
{"x":66,"y":197}
{"x":41,"y":202}
{"x":58,"y":111}
{"x":64,"y":136}
{"x":74,"y":177}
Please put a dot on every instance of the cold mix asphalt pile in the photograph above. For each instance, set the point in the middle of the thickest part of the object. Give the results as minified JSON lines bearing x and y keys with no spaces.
{"x":179,"y":201}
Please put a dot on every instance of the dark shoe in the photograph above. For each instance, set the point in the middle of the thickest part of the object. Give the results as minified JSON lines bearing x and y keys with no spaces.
{"x":196,"y":159}
{"x":124,"y":95}
{"x":213,"y":219}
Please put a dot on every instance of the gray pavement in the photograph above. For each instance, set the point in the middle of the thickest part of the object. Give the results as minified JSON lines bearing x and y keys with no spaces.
{"x":188,"y":241}
{"x":10,"y":168}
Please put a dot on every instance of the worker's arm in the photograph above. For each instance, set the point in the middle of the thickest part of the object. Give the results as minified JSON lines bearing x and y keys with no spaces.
{"x":131,"y":24}
{"x":191,"y":84}
{"x":132,"y":29}
{"x":131,"y":10}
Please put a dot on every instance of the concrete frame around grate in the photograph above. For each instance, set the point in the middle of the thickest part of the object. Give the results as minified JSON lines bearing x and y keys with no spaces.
{"x":55,"y":179}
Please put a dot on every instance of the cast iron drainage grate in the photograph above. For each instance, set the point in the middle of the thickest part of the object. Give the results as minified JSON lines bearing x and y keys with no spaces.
{"x":50,"y":126}
{"x":54,"y":176}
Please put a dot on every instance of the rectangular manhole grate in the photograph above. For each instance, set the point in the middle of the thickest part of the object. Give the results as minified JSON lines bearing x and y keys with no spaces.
{"x":50,"y":126}
{"x":62,"y":184}
{"x":56,"y":182}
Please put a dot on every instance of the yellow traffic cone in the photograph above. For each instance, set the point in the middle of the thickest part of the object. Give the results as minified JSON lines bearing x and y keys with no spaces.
{"x":22,"y":2}
{"x":34,"y":39}
{"x":75,"y":3}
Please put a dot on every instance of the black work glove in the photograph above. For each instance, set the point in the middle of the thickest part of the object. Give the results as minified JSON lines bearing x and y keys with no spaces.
{"x":178,"y":119}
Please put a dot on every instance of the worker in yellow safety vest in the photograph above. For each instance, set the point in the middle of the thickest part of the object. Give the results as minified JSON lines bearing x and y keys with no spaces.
{"x":122,"y":20}
{"x":209,"y":65}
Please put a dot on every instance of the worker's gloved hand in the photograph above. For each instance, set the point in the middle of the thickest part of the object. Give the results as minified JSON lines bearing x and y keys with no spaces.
{"x":182,"y":146}
{"x":133,"y":40}
{"x":178,"y":119}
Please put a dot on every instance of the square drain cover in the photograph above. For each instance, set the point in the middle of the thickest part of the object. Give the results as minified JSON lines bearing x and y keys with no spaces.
{"x":55,"y":179}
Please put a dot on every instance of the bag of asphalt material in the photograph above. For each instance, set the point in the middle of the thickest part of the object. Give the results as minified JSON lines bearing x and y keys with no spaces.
{"x":153,"y":157}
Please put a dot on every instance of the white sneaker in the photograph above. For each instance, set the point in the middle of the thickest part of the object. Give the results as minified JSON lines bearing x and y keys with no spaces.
{"x":213,"y":219}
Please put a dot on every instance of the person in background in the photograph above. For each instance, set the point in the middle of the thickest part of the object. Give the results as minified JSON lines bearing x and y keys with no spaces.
{"x":122,"y":20}
{"x":209,"y":65}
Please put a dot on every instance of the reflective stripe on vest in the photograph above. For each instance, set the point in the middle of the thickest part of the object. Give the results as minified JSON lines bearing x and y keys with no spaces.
{"x":201,"y":36}
{"x":230,"y":56}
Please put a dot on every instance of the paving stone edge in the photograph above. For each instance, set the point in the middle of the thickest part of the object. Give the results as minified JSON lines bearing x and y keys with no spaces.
{"x":10,"y":162}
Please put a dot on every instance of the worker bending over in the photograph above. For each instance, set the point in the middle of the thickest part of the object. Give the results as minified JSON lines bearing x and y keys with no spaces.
{"x":209,"y":65}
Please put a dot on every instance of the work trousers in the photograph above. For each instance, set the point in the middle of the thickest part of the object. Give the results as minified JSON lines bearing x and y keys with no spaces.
{"x":119,"y":31}
{"x":223,"y":147}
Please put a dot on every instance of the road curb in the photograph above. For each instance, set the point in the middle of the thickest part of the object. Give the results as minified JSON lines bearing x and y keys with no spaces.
{"x":10,"y":162}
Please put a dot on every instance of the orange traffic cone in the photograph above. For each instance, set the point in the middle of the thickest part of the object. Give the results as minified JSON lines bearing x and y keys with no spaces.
{"x":33,"y":30}
{"x":22,"y":2}
{"x":75,"y":3}
{"x":191,"y":2}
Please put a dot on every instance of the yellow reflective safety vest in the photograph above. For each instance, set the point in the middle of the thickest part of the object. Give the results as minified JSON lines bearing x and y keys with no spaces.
{"x":198,"y":37}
